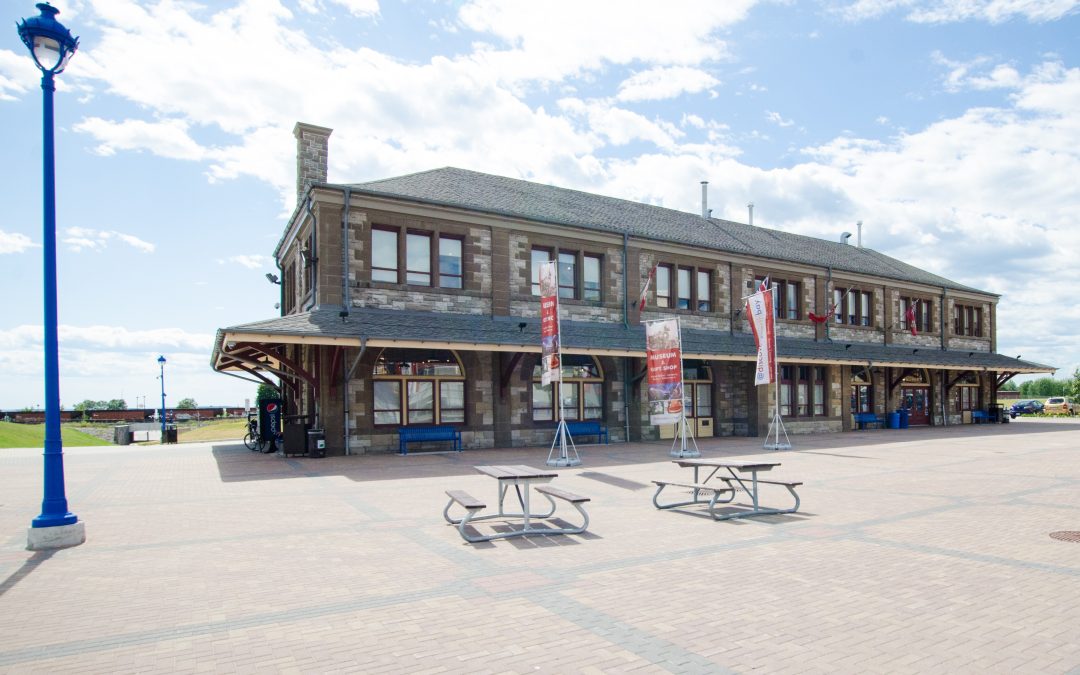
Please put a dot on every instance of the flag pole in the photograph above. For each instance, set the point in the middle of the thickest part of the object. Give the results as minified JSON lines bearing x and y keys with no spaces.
{"x":777,"y":422}
{"x":564,"y":457}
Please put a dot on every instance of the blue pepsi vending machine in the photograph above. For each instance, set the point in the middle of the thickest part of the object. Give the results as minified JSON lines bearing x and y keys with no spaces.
{"x":270,"y":422}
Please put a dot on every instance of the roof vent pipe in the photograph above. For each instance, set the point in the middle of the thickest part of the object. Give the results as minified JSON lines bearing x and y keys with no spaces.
{"x":844,"y":237}
{"x":750,"y":207}
{"x":859,"y":239}
{"x":704,"y":199}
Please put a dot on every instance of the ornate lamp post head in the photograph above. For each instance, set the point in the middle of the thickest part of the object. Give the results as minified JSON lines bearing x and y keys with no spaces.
{"x":161,"y":360}
{"x":48,"y":41}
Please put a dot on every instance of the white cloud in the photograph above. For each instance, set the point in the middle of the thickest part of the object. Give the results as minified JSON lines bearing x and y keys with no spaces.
{"x":948,"y":11}
{"x":79,"y":238}
{"x":664,"y":83}
{"x":252,"y":262}
{"x":361,"y":8}
{"x":15,"y":242}
{"x":620,"y":126}
{"x":108,"y":338}
{"x":166,"y":138}
{"x":776,"y":119}
{"x":17,"y":74}
{"x":545,"y":45}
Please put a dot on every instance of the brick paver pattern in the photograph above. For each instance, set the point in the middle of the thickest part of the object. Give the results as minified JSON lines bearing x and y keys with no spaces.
{"x":915,"y":551}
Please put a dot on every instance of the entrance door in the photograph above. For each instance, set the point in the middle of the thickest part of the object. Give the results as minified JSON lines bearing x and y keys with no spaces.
{"x":917,"y":403}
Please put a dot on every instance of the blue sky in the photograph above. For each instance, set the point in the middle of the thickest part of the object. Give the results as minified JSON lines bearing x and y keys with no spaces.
{"x":947,"y":126}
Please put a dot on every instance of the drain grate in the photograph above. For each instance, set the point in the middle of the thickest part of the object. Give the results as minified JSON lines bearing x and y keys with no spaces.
{"x":1066,"y":535}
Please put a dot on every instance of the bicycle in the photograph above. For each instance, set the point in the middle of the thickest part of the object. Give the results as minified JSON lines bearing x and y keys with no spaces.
{"x":251,"y":438}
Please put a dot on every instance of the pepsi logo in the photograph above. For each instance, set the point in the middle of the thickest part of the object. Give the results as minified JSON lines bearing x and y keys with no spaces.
{"x":271,"y":407}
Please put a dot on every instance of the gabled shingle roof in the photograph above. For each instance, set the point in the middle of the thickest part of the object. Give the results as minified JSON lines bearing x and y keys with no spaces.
{"x":410,"y":326}
{"x":549,"y":204}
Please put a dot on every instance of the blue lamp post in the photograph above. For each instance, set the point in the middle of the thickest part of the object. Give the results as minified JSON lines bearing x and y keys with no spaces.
{"x":161,"y":362}
{"x":51,"y":45}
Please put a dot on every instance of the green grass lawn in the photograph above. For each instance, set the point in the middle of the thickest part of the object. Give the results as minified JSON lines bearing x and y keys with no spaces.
{"x":33,"y":436}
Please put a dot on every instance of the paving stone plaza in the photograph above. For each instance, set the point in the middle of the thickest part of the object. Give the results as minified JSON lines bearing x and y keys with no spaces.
{"x":914,"y":551}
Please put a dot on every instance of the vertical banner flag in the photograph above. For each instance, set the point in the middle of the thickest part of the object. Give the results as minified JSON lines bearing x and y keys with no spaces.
{"x":663,"y":349}
{"x":759,"y":309}
{"x":549,"y":324}
{"x":910,"y":316}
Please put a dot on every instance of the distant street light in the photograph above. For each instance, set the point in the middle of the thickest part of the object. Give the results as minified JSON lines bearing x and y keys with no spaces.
{"x":51,"y":45}
{"x":161,"y":362}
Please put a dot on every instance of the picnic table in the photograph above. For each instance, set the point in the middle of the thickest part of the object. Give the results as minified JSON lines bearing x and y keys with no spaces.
{"x":522,"y":478}
{"x":733,"y":477}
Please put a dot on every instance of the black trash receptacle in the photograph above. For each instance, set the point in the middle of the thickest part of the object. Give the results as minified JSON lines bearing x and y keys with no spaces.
{"x":316,"y":443}
{"x":170,"y":434}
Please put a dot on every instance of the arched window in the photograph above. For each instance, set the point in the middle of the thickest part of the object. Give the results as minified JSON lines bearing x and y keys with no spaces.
{"x":419,"y":386}
{"x":697,"y":385}
{"x":581,"y":391}
{"x":862,"y":391}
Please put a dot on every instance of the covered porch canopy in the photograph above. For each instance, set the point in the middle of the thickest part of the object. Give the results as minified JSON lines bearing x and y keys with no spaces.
{"x":251,"y":351}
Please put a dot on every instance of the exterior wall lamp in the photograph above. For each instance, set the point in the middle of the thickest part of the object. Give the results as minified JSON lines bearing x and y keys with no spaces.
{"x":51,"y":46}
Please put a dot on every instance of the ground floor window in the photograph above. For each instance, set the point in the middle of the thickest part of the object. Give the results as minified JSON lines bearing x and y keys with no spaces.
{"x":802,"y":391}
{"x":862,"y":391}
{"x":967,"y":392}
{"x":697,"y":385}
{"x":418,"y":386}
{"x":581,"y":391}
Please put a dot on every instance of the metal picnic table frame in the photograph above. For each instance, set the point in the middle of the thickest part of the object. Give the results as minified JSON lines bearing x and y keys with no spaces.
{"x":732,"y":467}
{"x":521,"y":478}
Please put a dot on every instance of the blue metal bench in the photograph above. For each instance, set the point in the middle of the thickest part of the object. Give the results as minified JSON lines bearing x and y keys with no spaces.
{"x":408,"y":435}
{"x":979,"y":416}
{"x":867,"y":418}
{"x":588,"y":429}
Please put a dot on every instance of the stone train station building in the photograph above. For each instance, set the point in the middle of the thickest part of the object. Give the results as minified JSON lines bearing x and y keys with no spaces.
{"x":414,"y":300}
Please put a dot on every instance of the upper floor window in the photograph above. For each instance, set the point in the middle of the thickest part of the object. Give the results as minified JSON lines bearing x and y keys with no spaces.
{"x":704,"y":291}
{"x":853,"y":307}
{"x":579,"y":273}
{"x":967,"y":320}
{"x":450,"y":268}
{"x":787,"y":303}
{"x":384,"y":255}
{"x":418,"y":258}
{"x":920,"y":309}
{"x":686,"y":288}
{"x":417,"y":254}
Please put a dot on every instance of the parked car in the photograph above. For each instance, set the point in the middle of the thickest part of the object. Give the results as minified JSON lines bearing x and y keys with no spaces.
{"x":1027,"y":406}
{"x":1061,"y":405}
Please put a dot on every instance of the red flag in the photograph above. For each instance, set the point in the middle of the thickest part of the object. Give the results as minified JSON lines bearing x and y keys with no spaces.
{"x":645,"y":289}
{"x":764,"y":285}
{"x":911,"y":318}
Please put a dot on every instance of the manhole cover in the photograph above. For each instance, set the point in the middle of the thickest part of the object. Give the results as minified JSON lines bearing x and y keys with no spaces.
{"x":1066,"y":535}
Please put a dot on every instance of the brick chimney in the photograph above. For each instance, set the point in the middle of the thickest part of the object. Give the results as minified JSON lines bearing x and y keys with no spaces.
{"x":312,"y":143}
